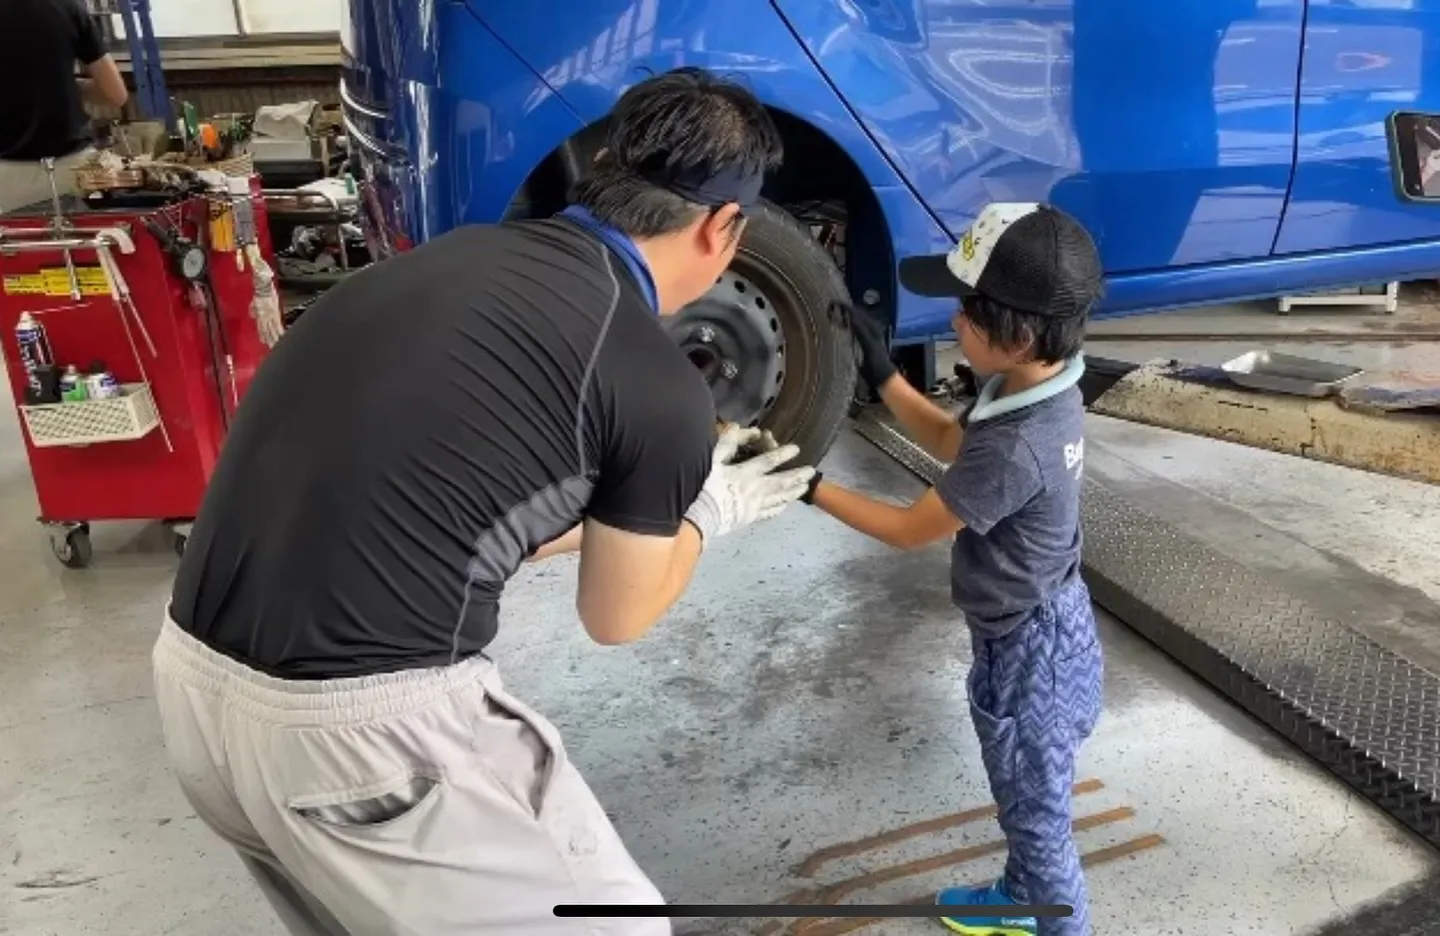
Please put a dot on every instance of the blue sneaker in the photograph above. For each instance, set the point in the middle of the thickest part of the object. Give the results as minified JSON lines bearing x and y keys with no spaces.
{"x":993,"y":895}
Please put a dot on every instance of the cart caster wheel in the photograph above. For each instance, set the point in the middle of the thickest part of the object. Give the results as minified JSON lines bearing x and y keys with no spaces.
{"x":74,"y":550}
{"x":180,"y":540}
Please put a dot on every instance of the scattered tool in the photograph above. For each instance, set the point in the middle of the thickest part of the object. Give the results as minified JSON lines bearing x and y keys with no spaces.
{"x":193,"y":267}
{"x":59,"y":226}
{"x":1382,"y":400}
{"x":119,"y":289}
{"x":222,"y":226}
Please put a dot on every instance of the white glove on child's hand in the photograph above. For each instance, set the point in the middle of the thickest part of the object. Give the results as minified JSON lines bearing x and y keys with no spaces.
{"x":737,"y":495}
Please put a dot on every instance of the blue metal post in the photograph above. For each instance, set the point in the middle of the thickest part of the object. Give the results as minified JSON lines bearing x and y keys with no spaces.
{"x":154,"y":97}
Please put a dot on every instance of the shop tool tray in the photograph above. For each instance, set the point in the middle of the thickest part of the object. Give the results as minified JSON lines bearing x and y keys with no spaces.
{"x":1286,"y":373}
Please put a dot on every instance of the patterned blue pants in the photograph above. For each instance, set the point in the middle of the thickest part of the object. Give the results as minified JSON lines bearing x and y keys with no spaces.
{"x":1035,"y":695}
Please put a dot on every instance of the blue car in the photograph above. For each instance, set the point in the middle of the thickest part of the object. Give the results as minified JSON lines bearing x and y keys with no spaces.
{"x":1217,"y":149}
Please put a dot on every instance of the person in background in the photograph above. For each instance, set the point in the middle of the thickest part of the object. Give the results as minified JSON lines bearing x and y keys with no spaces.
{"x":42,"y":113}
{"x":1025,"y":277}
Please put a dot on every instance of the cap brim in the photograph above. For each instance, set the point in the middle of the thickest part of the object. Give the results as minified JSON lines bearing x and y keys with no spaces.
{"x":931,"y":277}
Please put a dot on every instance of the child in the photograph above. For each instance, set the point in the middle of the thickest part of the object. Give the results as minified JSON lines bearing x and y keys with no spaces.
{"x":1026,"y":276}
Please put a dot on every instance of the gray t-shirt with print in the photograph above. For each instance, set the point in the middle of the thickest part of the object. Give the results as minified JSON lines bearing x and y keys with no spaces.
{"x":1016,"y":486}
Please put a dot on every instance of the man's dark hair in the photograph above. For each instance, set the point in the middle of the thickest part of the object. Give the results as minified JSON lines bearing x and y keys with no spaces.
{"x":1052,"y":339}
{"x":682,"y":123}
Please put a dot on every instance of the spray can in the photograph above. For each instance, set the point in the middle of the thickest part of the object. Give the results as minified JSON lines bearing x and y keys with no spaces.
{"x":72,"y":385}
{"x":100,"y":384}
{"x":34,"y":351}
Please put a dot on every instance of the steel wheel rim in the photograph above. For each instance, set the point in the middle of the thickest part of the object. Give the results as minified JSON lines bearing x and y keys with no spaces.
{"x":735,"y":336}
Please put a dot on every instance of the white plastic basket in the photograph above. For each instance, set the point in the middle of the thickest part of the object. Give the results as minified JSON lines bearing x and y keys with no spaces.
{"x":130,"y":415}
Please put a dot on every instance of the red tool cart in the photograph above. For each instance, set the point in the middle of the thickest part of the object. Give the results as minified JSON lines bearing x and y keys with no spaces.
{"x":148,"y":296}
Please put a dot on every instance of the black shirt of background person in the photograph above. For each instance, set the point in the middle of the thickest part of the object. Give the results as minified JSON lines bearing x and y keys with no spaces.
{"x":428,"y":424}
{"x":41,"y":113}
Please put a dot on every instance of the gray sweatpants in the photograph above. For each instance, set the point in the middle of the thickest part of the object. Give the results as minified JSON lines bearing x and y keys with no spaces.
{"x":23,"y":184}
{"x":425,"y":802}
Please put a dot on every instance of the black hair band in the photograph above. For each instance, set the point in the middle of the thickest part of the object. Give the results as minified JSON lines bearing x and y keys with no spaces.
{"x":734,"y":184}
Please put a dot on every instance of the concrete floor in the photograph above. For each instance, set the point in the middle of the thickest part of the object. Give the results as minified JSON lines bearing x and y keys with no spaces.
{"x":802,"y":696}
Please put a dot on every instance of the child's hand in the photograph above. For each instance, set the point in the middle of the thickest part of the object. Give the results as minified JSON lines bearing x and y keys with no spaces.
{"x":876,"y":368}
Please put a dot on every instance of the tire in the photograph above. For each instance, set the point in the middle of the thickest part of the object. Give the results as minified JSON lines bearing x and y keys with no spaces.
{"x":817,"y":361}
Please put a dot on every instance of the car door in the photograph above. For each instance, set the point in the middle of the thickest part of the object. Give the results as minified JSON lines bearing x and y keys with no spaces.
{"x":1364,"y":60}
{"x":1166,"y":127}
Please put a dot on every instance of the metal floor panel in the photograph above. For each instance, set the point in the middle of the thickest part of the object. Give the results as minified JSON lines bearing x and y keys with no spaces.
{"x":1364,"y":712}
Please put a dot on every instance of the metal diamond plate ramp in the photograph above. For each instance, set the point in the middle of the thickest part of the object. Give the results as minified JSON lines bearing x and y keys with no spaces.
{"x":1361,"y":710}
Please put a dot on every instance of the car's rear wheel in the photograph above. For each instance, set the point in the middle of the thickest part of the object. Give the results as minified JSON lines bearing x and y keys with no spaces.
{"x":766,"y":338}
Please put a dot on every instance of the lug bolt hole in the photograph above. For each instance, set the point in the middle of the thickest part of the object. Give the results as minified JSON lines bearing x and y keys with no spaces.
{"x":706,"y":361}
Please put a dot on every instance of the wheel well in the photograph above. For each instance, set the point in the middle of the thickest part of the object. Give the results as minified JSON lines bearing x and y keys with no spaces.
{"x":818,"y":183}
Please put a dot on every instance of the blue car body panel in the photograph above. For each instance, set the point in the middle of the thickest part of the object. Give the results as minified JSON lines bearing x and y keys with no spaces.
{"x":978,"y":102}
{"x":601,"y":47}
{"x":466,"y":120}
{"x":1172,"y":130}
{"x":1363,"y":62}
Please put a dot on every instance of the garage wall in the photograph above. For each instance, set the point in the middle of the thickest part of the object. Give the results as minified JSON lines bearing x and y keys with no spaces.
{"x":229,"y":56}
{"x":192,"y":19}
{"x":282,"y":16}
{"x":176,"y":19}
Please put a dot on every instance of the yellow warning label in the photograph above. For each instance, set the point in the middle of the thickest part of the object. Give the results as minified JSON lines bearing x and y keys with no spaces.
{"x":55,"y":281}
{"x":967,"y":246}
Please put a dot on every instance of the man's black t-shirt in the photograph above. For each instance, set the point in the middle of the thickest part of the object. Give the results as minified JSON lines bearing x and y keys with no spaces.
{"x":41,"y":114}
{"x":422,"y":429}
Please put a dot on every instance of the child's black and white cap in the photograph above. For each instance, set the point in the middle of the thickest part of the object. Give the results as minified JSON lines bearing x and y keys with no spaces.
{"x":1032,"y":257}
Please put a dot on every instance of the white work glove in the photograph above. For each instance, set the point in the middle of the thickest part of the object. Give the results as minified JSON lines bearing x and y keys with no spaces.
{"x":269,"y":325}
{"x":737,"y":495}
{"x":749,"y":442}
{"x":265,"y":303}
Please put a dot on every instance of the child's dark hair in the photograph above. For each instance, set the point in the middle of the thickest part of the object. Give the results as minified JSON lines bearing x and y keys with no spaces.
{"x":1051,"y":339}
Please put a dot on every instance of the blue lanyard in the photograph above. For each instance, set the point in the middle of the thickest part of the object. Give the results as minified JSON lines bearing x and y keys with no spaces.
{"x":988,"y":407}
{"x":622,"y":246}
